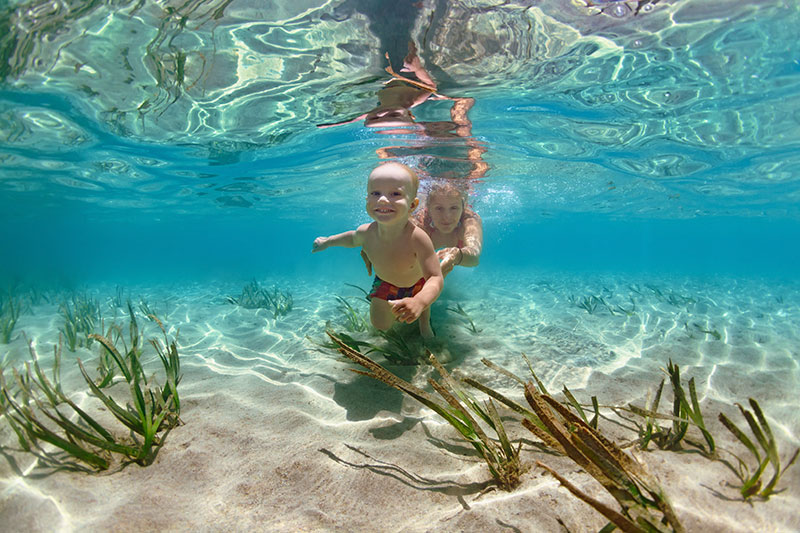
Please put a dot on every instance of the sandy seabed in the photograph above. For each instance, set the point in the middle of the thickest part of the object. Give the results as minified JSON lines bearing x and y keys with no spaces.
{"x":278,"y":435}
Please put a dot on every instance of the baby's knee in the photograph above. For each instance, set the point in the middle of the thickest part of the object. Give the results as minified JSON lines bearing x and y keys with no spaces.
{"x":381,"y":315}
{"x":382,"y":324}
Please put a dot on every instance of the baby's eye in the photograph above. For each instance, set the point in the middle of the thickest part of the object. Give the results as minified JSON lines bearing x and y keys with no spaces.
{"x":395,"y":193}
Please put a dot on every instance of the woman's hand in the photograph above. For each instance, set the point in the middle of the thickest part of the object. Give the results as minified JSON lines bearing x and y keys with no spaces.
{"x":448,"y":258}
{"x":367,"y":262}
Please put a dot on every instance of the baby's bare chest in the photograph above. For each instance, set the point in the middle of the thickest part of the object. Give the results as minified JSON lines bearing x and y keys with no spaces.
{"x":395,"y":256}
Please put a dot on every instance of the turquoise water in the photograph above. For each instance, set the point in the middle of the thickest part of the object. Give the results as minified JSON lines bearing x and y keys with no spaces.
{"x":665,"y":140}
{"x":169,"y":150}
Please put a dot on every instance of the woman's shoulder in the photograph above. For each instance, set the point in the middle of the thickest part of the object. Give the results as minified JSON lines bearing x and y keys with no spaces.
{"x":469,"y":214}
{"x":420,"y":237}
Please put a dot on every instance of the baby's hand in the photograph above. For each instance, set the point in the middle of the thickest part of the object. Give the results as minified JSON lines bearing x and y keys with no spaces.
{"x":320,"y":243}
{"x":406,"y":310}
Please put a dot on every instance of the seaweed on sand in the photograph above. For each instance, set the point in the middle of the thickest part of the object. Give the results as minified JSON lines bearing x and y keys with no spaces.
{"x":689,"y":408}
{"x":588,"y":303}
{"x":686,"y":412}
{"x":39,"y":411}
{"x":500,"y":455}
{"x":254,"y":296}
{"x":397,"y":350}
{"x":671,"y":297}
{"x":702,"y":329}
{"x":144,"y":307}
{"x":154,"y":408}
{"x":651,"y":430}
{"x":460,"y":311}
{"x":644,"y":507}
{"x":643,"y":504}
{"x":9,"y":314}
{"x":81,"y":315}
{"x":354,"y":320}
{"x":750,"y":476}
{"x":31,"y":398}
{"x":106,"y":366}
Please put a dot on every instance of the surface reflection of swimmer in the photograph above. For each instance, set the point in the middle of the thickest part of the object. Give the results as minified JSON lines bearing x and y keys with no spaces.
{"x":400,"y":94}
{"x":444,"y":148}
{"x":429,"y":145}
{"x":404,"y":92}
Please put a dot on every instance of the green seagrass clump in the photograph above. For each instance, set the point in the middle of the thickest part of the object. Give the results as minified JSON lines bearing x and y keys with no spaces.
{"x":397,"y":349}
{"x":254,"y":296}
{"x":591,"y":303}
{"x":354,"y":320}
{"x":469,"y":323}
{"x":685,"y":414}
{"x":81,"y":318}
{"x":41,"y":413}
{"x":10,"y":309}
{"x":750,"y":475}
{"x":458,"y":408}
{"x":644,"y":506}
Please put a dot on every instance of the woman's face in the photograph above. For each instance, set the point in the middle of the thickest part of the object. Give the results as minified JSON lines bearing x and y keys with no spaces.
{"x":445,"y":210}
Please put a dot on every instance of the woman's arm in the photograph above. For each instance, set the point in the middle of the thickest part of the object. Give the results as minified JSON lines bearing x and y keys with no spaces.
{"x":473,"y":242}
{"x":468,"y":255}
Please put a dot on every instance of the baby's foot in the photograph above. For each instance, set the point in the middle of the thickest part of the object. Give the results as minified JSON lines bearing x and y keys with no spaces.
{"x":438,"y":348}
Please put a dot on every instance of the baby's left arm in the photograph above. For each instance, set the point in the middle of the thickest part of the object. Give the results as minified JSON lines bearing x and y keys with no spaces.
{"x":409,"y":309}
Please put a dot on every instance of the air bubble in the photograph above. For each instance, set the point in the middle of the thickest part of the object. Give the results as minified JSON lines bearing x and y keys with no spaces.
{"x":619,"y":10}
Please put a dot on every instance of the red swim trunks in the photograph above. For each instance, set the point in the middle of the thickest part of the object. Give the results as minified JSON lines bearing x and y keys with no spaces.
{"x":386,"y":291}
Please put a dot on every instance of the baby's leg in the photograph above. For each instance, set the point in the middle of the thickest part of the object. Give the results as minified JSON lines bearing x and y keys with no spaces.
{"x":425,"y":328}
{"x":436,"y":345}
{"x":380,"y":313}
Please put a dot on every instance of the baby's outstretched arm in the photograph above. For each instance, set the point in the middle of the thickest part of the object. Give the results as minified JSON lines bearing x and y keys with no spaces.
{"x":348,"y":239}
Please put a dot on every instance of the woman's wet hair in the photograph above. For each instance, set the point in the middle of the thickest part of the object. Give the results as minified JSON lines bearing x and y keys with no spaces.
{"x":447,"y":188}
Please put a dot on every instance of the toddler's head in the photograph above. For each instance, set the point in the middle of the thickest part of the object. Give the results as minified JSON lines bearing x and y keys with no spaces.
{"x":397,"y":171}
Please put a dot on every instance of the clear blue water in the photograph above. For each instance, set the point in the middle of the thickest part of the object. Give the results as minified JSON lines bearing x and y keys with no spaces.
{"x":144,"y":139}
{"x":167,"y":151}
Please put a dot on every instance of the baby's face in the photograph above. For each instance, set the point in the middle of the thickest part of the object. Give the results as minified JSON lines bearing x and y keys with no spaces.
{"x":389,"y":195}
{"x":445,"y":211}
